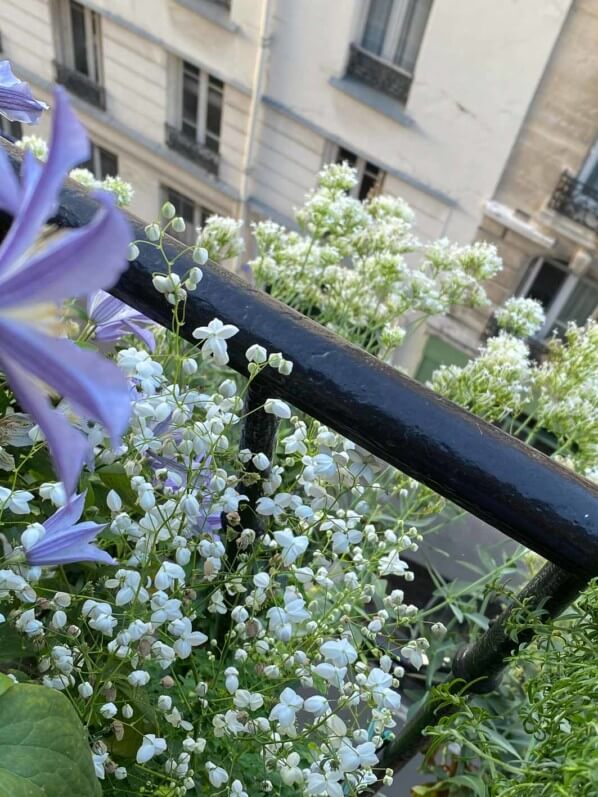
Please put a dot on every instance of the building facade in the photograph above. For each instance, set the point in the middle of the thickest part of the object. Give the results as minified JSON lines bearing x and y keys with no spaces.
{"x":232,"y":107}
{"x":543,"y":216}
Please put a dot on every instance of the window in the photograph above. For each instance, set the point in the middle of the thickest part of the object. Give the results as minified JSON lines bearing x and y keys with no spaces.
{"x":194,"y":215}
{"x":81,"y":39}
{"x":12,"y":129}
{"x":79,"y":46}
{"x":394,"y":30}
{"x":201,"y":106}
{"x":565,"y":296}
{"x":369,"y":176}
{"x":102,"y":163}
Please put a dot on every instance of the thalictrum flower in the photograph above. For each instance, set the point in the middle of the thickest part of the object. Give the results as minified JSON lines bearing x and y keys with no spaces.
{"x":114,"y":319}
{"x":35,"y":363}
{"x":16,"y":100}
{"x":61,"y":540}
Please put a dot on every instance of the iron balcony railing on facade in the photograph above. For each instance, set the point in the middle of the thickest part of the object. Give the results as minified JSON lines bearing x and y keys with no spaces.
{"x":576,"y":200}
{"x":192,"y":150}
{"x":379,"y":74}
{"x":81,"y":85}
{"x":513,"y":487}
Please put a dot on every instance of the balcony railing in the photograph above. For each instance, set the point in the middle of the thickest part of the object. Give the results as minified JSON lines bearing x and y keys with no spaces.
{"x":529,"y":497}
{"x":192,"y":150}
{"x":576,"y":200}
{"x":81,"y":85}
{"x":378,"y":73}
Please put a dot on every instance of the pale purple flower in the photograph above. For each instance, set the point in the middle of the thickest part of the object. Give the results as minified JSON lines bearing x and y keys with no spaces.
{"x":16,"y":100}
{"x":36,"y":364}
{"x":113,"y":319}
{"x":60,"y":540}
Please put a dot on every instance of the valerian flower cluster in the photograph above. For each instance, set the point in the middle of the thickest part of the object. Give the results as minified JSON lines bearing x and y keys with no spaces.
{"x":227,"y":621}
{"x":351,"y":265}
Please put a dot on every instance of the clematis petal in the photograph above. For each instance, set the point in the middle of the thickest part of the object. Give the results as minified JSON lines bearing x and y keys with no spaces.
{"x":69,"y":267}
{"x":67,"y":445}
{"x":70,"y":545}
{"x":16,"y":100}
{"x":69,"y":146}
{"x":67,"y":515}
{"x":92,"y":385}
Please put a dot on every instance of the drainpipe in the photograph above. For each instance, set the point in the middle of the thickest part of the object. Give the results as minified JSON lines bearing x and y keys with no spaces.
{"x":258,"y":83}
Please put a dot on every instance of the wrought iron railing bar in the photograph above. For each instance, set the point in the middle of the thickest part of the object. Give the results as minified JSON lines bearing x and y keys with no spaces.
{"x":480,"y":664}
{"x":258,"y":434}
{"x":482,"y":469}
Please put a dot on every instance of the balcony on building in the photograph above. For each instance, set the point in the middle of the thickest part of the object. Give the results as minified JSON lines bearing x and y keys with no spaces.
{"x":81,"y":85}
{"x":378,"y":74}
{"x":577,"y":200}
{"x":192,"y":150}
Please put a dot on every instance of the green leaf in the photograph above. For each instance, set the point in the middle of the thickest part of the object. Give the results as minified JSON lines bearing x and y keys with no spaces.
{"x":43,"y":746}
{"x":115,"y":478}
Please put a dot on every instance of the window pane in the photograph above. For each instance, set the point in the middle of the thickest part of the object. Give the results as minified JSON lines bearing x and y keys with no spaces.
{"x":204,"y":215}
{"x":185,"y":208}
{"x":108,"y":165}
{"x":214,"y":113}
{"x":376,"y":25}
{"x":95,"y":46}
{"x":79,"y":38}
{"x":190,"y":99}
{"x":412,"y":32}
{"x":371,"y":177}
{"x":580,"y":305}
{"x":547,"y":283}
{"x":13,"y":129}
{"x":346,"y":155}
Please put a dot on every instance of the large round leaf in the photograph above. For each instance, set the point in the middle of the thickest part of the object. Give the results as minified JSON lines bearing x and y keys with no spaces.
{"x":43,"y":746}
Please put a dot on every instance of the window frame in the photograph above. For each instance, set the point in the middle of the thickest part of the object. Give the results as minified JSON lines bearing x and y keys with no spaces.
{"x":360,"y":165}
{"x":95,"y":161}
{"x":13,"y":129}
{"x":205,"y":81}
{"x":562,"y":295}
{"x":93,"y":40}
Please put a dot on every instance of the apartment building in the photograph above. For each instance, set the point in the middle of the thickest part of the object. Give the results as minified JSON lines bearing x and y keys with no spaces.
{"x":543,"y":215}
{"x":232,"y":106}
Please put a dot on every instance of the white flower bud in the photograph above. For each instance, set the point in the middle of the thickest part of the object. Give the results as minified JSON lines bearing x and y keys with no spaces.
{"x":189,"y":366}
{"x":114,"y":501}
{"x":278,"y":408}
{"x":85,"y":690}
{"x":200,"y":255}
{"x":168,"y":210}
{"x":152,"y":232}
{"x":178,"y":224}
{"x":132,"y":252}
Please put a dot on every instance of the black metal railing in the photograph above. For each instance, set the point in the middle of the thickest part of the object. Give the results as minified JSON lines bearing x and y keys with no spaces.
{"x":518,"y":490}
{"x":576,"y":200}
{"x":192,"y":150}
{"x":81,"y":85}
{"x":379,"y":74}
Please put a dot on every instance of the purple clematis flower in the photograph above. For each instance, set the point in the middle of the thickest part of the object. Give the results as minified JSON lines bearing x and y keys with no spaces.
{"x":16,"y":100}
{"x":113,"y":319}
{"x":62,"y":541}
{"x":35,"y":363}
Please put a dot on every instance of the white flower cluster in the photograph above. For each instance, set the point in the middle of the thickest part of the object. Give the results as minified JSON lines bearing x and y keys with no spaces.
{"x":348,"y":267}
{"x":231,"y":637}
{"x":521,"y":317}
